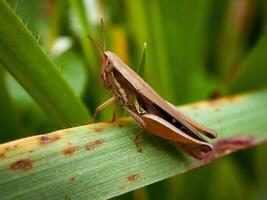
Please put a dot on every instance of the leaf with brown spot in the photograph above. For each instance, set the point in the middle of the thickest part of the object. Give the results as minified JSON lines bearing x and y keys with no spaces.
{"x":120,"y":125}
{"x":116,"y":160}
{"x":21,"y":165}
{"x":2,"y":155}
{"x":46,"y":139}
{"x":133,"y":178}
{"x":69,"y":151}
{"x":72,"y":178}
{"x":227,"y":146}
{"x":92,"y":145}
{"x":99,"y":129}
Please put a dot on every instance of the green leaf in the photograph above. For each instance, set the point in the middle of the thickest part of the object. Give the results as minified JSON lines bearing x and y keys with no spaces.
{"x":73,"y":69}
{"x":187,"y":37}
{"x":83,"y":27}
{"x":142,"y":62}
{"x":253,"y":72}
{"x":95,"y":94}
{"x":100,"y":161}
{"x":146,"y":22}
{"x":21,"y":55}
{"x":8,"y":119}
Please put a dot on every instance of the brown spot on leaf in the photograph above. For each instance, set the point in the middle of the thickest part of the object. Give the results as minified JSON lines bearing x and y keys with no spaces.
{"x":2,"y":155}
{"x":92,"y":145}
{"x":7,"y":148}
{"x":234,"y":98}
{"x":225,"y":100}
{"x":216,"y":94}
{"x":194,"y":106}
{"x":227,"y":146}
{"x":133,"y":178}
{"x":120,"y":125}
{"x":98,"y":129}
{"x":22,"y":165}
{"x":133,"y":158}
{"x":69,"y":151}
{"x":72,"y":178}
{"x":10,"y":147}
{"x":216,"y":102}
{"x":46,"y":139}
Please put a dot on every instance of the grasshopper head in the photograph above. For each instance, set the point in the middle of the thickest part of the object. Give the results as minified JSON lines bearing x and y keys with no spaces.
{"x":105,"y":70}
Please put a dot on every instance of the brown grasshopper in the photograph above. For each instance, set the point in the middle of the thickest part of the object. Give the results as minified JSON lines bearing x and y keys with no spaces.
{"x":148,"y":108}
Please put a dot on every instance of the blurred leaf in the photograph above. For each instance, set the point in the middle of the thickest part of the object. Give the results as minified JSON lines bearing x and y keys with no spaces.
{"x":193,"y":181}
{"x":226,"y":170}
{"x":82,"y":26}
{"x":142,"y":29}
{"x":23,"y":58}
{"x":163,"y":67}
{"x":253,"y":72}
{"x":31,"y":117}
{"x":34,"y":13}
{"x":57,"y":14}
{"x":99,"y":161}
{"x":260,"y":168}
{"x":9,"y":127}
{"x":73,"y":70}
{"x":186,"y":32}
{"x":233,"y":38}
{"x":142,"y":62}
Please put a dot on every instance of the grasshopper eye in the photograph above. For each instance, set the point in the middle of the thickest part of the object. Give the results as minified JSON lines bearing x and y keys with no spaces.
{"x":109,"y":65}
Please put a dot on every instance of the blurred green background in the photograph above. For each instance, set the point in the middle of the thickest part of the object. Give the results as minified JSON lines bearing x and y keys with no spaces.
{"x":196,"y":50}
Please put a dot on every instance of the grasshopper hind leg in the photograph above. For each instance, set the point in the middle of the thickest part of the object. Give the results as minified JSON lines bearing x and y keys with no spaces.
{"x":141,"y":130}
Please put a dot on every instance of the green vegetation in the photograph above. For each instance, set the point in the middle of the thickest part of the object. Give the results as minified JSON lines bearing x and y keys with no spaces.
{"x":49,"y":80}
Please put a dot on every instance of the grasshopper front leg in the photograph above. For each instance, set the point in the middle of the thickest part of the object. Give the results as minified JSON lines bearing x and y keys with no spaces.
{"x":102,"y":106}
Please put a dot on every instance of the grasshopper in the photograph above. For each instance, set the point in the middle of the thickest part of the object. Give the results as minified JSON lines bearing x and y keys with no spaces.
{"x":148,"y":108}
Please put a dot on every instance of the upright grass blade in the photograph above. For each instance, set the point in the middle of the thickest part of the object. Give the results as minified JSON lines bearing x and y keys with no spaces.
{"x":8,"y":119}
{"x":253,"y":72}
{"x":234,"y":36}
{"x":163,"y":67}
{"x":84,"y":27}
{"x":185,"y":28}
{"x":94,"y":93}
{"x":142,"y":62}
{"x":140,"y":22}
{"x":100,"y":161}
{"x":21,"y":55}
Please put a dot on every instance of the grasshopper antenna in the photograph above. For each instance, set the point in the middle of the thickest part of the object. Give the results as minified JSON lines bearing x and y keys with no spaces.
{"x":97,"y":46}
{"x":103,"y":36}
